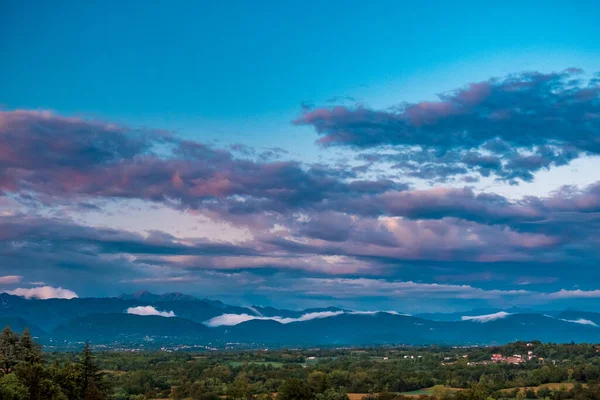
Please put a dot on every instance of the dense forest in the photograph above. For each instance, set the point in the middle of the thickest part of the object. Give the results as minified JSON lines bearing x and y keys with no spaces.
{"x":553,"y":371}
{"x":25,"y":374}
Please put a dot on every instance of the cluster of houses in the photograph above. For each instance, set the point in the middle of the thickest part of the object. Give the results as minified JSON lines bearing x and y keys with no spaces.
{"x":514,"y":359}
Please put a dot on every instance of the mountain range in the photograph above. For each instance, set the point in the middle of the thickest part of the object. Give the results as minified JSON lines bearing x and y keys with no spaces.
{"x":180,"y":319}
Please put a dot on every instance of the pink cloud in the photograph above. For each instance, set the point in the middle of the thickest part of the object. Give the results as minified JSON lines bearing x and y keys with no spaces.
{"x":8,"y":279}
{"x":43,"y":293}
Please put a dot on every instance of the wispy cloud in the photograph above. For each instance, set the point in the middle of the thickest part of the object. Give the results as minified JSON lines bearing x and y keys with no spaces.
{"x":582,"y":321}
{"x":166,"y":279}
{"x":486,"y":318}
{"x":575,"y":294}
{"x":356,"y":287}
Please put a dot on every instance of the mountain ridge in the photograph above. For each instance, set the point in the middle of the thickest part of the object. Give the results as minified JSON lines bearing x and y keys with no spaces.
{"x":177,"y":318}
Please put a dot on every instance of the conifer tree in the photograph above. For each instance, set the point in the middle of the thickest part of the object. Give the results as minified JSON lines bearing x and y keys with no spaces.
{"x":91,"y":378}
{"x":29,"y":351}
{"x":9,"y":344}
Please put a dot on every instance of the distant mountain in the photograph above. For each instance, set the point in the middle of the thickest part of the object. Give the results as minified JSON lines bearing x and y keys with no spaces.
{"x":106,"y":328}
{"x":110,"y":320}
{"x":384,"y":328}
{"x":458,"y":316}
{"x":199,"y":310}
{"x":273,"y":312}
{"x":147,"y":297}
{"x":18,"y":324}
{"x":49,"y":314}
{"x":362,"y":329}
{"x":531,"y":327}
{"x":276,"y":312}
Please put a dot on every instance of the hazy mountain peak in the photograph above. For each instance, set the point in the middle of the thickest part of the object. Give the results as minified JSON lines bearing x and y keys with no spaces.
{"x":144,"y":295}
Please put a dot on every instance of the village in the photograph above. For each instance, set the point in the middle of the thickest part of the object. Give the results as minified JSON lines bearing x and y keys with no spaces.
{"x":515,"y":358}
{"x":497,"y":358}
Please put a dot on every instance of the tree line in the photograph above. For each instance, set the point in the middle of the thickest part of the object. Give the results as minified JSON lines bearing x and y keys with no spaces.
{"x":24,"y":374}
{"x":27,"y":373}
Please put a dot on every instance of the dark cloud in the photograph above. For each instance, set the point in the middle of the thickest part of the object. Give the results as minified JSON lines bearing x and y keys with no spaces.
{"x":57,"y":235}
{"x":482,"y":240}
{"x":54,"y":158}
{"x":508,"y":127}
{"x":319,"y":210}
{"x":33,"y":140}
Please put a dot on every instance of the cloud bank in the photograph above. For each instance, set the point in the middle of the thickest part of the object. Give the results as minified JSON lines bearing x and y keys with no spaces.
{"x":509,"y":127}
{"x":149,"y":310}
{"x":235,"y":319}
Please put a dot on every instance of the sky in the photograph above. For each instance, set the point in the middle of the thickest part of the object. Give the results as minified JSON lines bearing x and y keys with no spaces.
{"x":408,"y":156}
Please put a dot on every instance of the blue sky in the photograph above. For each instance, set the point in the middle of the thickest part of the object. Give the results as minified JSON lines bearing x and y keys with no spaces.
{"x":234,"y":63}
{"x":88,"y":87}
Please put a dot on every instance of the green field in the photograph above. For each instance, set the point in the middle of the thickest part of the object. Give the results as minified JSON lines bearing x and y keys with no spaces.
{"x":419,"y":392}
{"x":426,"y":391}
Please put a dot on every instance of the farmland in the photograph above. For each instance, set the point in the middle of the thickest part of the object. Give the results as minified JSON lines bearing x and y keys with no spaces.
{"x":400,"y":372}
{"x":392,"y":373}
